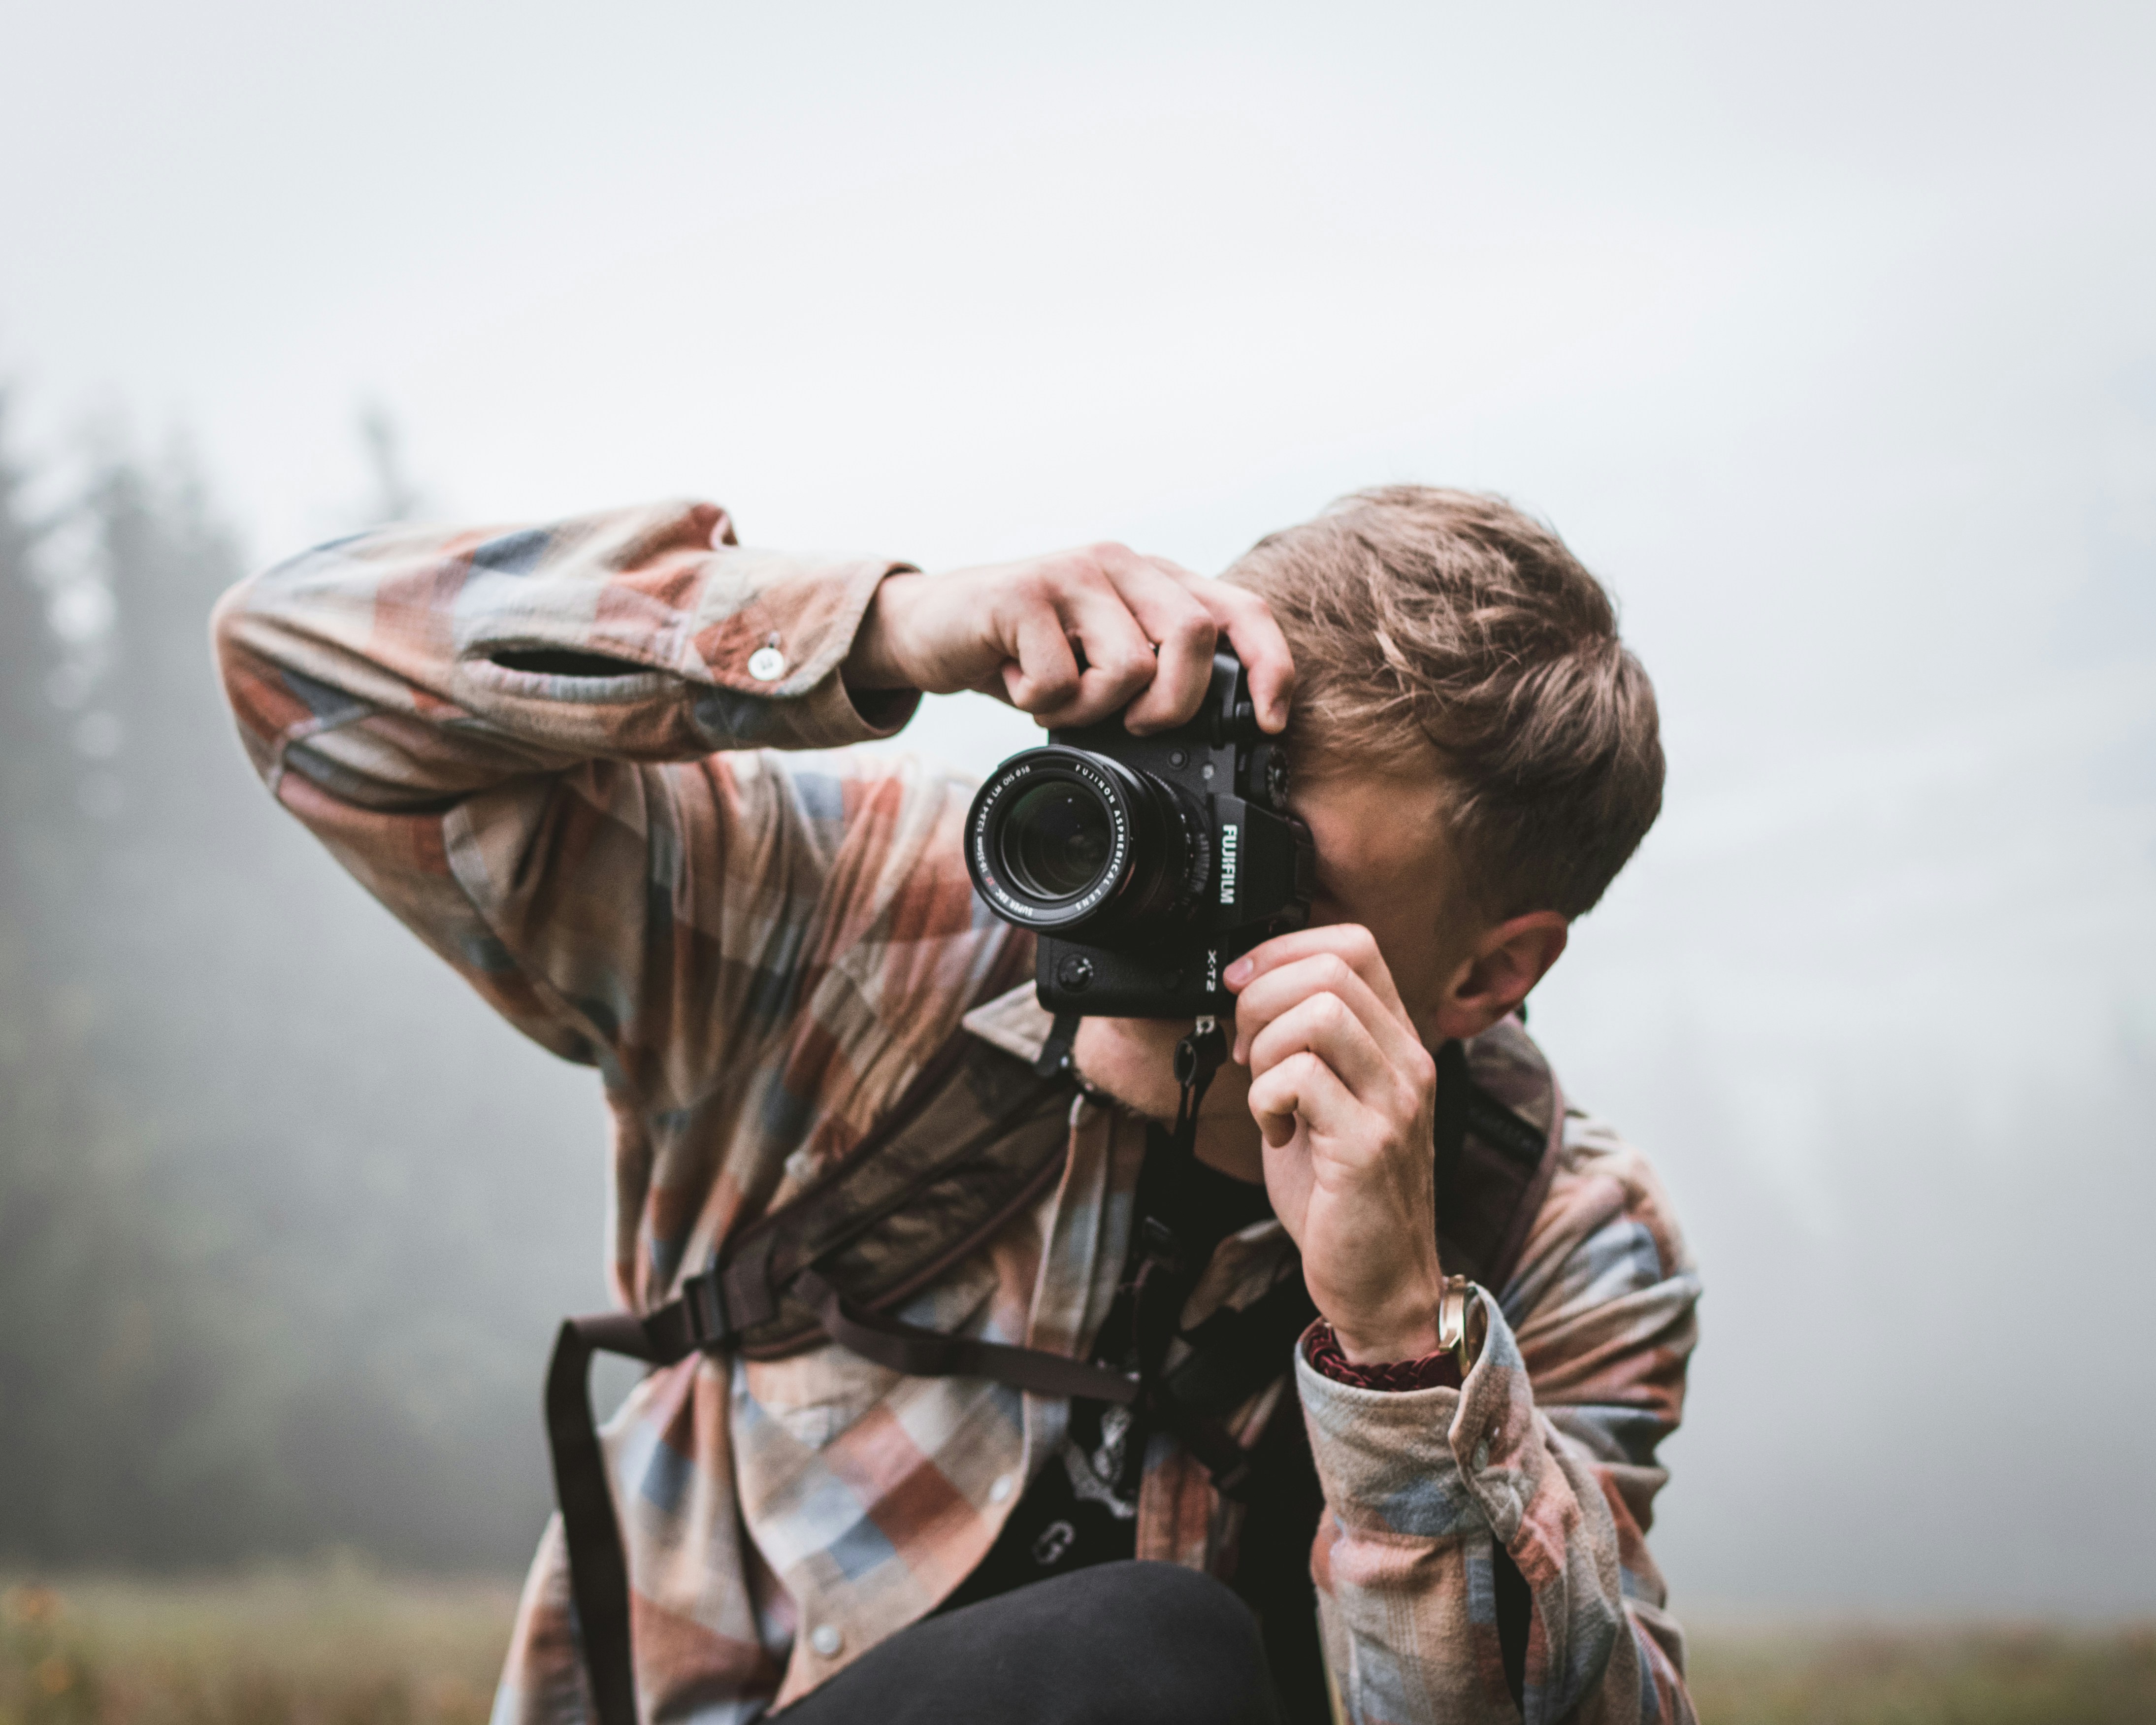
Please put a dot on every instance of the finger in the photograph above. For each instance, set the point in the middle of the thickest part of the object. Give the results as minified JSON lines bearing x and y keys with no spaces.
{"x":1280,"y":992}
{"x":1349,"y":941}
{"x":1263,"y":998}
{"x":1116,"y":662}
{"x":1325,"y":1025}
{"x":1303,"y":1084}
{"x":1042,"y":678}
{"x":1248,"y":623}
{"x":1171,"y":615}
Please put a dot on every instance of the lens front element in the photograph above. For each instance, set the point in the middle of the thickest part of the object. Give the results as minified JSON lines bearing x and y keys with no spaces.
{"x":1056,"y":840}
{"x":1062,"y":838}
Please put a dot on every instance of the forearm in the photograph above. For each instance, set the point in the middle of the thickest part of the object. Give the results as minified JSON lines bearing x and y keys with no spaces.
{"x":413,"y":666}
{"x":1425,"y":1489}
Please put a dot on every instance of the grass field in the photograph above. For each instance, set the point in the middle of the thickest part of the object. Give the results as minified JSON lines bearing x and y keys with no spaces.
{"x":329,"y":1645}
{"x":338,"y":1645}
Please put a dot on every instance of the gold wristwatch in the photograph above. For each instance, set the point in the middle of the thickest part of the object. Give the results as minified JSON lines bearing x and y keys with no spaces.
{"x":1462,"y":1325}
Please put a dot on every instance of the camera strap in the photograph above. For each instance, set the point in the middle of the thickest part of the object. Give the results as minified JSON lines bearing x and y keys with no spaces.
{"x":1053,"y":1059}
{"x":1234,"y":1353}
{"x":1198,"y":1057}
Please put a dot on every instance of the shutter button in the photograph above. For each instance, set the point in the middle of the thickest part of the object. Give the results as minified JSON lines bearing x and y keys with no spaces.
{"x":826,"y":1640}
{"x":766,"y":665}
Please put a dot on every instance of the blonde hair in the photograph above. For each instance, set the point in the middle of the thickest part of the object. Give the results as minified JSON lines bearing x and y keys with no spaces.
{"x":1447,"y":631}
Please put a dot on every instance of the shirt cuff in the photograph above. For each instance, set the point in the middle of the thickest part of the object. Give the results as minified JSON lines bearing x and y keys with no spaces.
{"x":774,"y":638}
{"x":1433,"y":1371}
{"x":1426,"y":1463}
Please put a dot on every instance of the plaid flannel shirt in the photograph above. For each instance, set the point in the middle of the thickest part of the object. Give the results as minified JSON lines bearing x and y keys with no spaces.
{"x":558,"y":754}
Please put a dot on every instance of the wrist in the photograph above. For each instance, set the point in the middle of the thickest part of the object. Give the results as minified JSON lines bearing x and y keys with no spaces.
{"x":1428,"y":1371}
{"x":1407,"y":1332}
{"x":1462,"y":1329}
{"x":874,"y":661}
{"x":1379,"y":1346}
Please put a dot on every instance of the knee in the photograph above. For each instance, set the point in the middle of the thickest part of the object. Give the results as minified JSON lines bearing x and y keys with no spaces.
{"x":1190,"y":1646}
{"x":1166,"y":1604}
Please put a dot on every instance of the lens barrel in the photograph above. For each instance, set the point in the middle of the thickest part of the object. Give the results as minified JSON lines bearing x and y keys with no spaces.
{"x":1063,"y":838}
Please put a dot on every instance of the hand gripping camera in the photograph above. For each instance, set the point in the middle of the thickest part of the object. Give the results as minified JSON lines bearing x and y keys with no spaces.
{"x":1147,"y":864}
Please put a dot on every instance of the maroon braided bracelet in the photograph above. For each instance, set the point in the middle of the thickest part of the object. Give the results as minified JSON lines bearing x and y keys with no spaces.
{"x":1433,"y":1371}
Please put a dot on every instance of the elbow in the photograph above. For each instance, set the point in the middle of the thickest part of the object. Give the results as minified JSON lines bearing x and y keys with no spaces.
{"x":224,"y":624}
{"x":237,"y":668}
{"x":263,"y":705}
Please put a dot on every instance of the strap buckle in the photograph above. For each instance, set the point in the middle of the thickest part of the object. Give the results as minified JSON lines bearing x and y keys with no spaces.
{"x":703,"y":1312}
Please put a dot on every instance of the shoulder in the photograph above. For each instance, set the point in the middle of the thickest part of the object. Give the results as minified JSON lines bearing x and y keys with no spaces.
{"x":1606,"y":1271}
{"x":1602,"y":1178}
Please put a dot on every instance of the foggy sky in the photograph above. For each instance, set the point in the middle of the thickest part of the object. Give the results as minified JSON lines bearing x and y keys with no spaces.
{"x":1825,"y":336}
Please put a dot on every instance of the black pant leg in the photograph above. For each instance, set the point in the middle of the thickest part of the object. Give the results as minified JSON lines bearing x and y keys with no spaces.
{"x":1117,"y":1643}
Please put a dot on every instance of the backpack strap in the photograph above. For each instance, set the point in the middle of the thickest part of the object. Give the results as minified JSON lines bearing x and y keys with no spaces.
{"x":1500,"y":1134}
{"x":969,"y":1145}
{"x":935,"y":1353}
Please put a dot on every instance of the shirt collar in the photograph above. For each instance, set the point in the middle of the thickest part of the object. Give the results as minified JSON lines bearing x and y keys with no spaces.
{"x":1014,"y":1022}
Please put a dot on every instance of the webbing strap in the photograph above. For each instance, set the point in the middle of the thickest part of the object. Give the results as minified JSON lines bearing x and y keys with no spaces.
{"x":598,"y":1567}
{"x":1237,"y":1351}
{"x":934,"y":1353}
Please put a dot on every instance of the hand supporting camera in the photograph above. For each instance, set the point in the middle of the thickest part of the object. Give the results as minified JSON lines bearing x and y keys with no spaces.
{"x":1146,"y":629}
{"x":1342,"y":1090}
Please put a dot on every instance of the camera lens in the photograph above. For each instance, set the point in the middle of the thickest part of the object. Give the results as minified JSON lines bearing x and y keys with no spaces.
{"x":1066,"y":839}
{"x":1056,"y":840}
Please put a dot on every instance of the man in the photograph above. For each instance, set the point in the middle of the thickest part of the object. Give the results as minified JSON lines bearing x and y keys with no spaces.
{"x":558,"y":754}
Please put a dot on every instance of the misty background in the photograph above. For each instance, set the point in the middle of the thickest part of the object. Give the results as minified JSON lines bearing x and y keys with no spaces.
{"x":1824,"y":334}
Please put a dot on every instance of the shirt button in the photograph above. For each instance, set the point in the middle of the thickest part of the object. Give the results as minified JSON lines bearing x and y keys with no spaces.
{"x":826,"y":1640}
{"x":766,"y":665}
{"x":1000,"y":1489}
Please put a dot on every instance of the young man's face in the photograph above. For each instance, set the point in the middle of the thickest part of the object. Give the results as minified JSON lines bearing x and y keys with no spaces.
{"x":1385,"y":859}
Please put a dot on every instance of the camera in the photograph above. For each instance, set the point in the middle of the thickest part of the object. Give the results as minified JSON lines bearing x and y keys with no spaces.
{"x":1147,"y":864}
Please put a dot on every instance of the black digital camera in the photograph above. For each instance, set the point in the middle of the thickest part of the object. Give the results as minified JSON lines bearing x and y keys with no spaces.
{"x":1147,"y":864}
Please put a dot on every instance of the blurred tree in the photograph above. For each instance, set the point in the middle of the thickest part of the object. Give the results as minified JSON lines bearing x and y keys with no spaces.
{"x":118,"y":1390}
{"x":257,"y":1299}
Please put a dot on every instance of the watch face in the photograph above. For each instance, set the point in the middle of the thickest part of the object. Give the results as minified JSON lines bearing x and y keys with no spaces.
{"x":1474,"y":1332}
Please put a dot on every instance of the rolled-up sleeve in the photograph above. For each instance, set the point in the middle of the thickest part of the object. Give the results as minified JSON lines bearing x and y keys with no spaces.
{"x":1545,"y":1453}
{"x":552,"y":752}
{"x":413,"y":664}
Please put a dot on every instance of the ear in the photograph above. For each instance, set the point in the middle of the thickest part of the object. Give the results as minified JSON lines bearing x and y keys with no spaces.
{"x":1505,"y":963}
